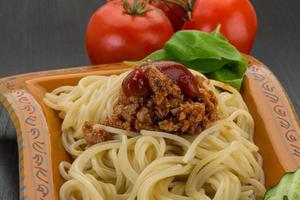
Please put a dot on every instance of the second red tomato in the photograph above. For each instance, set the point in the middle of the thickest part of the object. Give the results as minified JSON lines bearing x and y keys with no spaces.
{"x":237,"y":19}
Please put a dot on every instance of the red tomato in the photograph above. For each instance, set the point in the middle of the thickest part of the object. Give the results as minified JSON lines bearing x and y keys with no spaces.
{"x":175,"y":13}
{"x":237,"y":19}
{"x":113,"y":35}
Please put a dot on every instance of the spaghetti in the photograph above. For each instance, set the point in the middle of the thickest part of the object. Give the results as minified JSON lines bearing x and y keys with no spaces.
{"x":221,"y":162}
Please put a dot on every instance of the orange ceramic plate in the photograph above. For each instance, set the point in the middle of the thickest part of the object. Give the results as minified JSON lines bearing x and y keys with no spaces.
{"x":277,"y":132}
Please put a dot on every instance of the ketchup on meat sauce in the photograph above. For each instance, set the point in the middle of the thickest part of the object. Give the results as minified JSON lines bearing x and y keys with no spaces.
{"x":136,"y":82}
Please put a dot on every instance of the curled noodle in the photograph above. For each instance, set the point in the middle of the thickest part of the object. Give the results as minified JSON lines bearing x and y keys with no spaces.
{"x":221,"y":162}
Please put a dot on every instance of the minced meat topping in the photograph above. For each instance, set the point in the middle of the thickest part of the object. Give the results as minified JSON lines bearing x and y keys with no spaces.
{"x":165,"y":109}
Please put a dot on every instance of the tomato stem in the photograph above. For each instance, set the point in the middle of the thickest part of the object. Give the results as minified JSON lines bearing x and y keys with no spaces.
{"x":190,"y":4}
{"x":174,"y":12}
{"x":190,"y":8}
{"x":178,"y":3}
{"x":138,"y":7}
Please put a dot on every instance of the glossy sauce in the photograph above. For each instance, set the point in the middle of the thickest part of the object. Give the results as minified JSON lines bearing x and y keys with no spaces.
{"x":136,"y":83}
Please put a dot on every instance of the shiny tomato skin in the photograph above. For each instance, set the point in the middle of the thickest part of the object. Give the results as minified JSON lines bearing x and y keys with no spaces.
{"x":237,"y":19}
{"x":113,"y":35}
{"x":177,"y":20}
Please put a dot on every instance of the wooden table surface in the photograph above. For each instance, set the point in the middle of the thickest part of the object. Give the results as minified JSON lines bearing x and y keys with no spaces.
{"x":40,"y":35}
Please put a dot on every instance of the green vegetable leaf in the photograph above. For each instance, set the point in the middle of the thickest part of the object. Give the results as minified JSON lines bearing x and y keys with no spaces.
{"x":204,"y":65}
{"x":159,"y":55}
{"x":287,"y":188}
{"x":192,"y":45}
{"x":217,"y":33}
{"x":208,"y":53}
{"x":231,"y":73}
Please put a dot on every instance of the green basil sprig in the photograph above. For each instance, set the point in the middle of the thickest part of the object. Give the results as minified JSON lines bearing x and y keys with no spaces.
{"x":208,"y":53}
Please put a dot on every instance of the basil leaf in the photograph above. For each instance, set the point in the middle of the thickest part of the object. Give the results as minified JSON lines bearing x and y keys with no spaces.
{"x":217,"y":33}
{"x":159,"y":55}
{"x":204,"y":65}
{"x":192,"y":45}
{"x":208,"y":53}
{"x":231,"y":73}
{"x":201,"y":65}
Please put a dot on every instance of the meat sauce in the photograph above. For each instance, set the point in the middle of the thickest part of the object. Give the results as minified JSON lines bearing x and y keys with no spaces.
{"x":136,"y":83}
{"x":160,"y":96}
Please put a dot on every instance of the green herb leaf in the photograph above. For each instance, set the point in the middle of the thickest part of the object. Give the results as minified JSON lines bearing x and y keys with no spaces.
{"x":204,"y":65}
{"x":217,"y":33}
{"x":208,"y":53}
{"x":231,"y":73}
{"x":159,"y":55}
{"x":287,"y":188}
{"x":285,"y":197}
{"x":192,"y":45}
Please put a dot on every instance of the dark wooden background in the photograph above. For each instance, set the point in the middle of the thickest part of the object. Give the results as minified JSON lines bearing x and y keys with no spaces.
{"x":39,"y":35}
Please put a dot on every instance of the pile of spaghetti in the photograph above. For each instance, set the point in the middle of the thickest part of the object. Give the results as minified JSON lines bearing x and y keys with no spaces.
{"x":219,"y":162}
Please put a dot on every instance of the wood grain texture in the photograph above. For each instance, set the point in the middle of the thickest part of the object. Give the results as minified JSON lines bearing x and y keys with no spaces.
{"x":37,"y":35}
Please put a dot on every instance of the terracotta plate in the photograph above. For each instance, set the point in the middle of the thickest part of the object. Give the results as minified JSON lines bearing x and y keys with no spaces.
{"x":37,"y":127}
